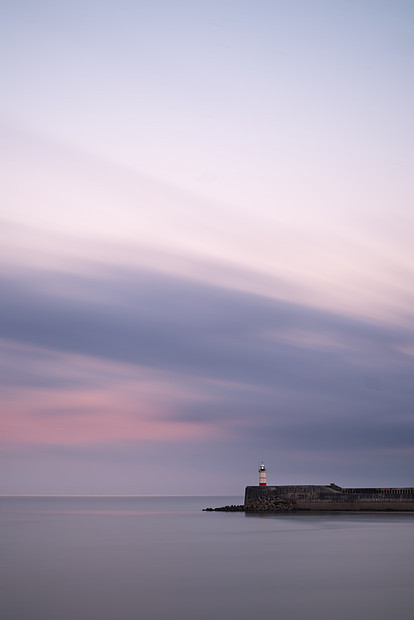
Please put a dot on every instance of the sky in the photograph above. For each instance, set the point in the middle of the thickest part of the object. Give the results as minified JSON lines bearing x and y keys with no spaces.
{"x":206,"y":245}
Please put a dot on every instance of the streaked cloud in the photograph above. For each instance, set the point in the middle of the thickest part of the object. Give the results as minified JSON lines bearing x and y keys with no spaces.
{"x":142,"y":354}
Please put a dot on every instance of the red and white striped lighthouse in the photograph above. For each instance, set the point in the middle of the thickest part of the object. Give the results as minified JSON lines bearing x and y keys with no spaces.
{"x":262,"y":475}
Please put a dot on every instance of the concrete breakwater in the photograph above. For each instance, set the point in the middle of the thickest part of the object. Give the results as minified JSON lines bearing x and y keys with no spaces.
{"x":329,"y":497}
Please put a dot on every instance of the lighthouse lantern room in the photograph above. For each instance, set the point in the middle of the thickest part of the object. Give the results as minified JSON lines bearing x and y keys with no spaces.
{"x":262,"y":475}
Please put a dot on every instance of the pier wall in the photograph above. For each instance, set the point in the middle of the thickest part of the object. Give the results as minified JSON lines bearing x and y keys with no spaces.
{"x":330,"y":497}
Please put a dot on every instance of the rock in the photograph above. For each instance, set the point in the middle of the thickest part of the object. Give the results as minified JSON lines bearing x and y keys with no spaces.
{"x":259,"y":505}
{"x":232,"y":508}
{"x":270,"y":505}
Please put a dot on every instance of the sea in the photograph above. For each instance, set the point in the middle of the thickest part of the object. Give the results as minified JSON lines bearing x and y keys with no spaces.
{"x":163,"y":558}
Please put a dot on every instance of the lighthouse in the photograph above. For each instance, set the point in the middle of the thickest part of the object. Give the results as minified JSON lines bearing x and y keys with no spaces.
{"x":262,"y":475}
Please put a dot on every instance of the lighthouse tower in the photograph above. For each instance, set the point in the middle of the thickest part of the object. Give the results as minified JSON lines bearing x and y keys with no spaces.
{"x":262,"y":475}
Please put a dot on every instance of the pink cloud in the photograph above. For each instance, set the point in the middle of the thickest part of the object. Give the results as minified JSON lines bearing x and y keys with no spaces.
{"x":89,"y":416}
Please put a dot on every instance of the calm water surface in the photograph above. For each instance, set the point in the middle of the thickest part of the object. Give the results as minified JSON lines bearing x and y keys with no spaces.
{"x":156,"y":558}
